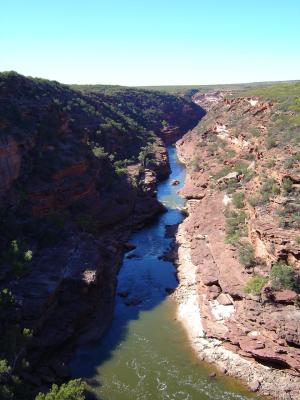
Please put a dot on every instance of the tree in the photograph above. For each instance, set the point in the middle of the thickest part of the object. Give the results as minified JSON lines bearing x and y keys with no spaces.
{"x":72,"y":390}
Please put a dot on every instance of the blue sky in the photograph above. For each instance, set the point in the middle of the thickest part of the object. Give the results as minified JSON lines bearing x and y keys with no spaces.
{"x":151,"y":42}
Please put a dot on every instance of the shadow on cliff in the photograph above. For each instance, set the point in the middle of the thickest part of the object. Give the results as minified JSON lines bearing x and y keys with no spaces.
{"x":144,"y":283}
{"x":145,"y":279}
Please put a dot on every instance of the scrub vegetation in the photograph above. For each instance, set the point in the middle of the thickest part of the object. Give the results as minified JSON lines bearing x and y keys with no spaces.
{"x":66,"y":154}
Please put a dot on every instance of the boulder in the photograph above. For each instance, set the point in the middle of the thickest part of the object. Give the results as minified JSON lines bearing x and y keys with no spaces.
{"x":254,"y":386}
{"x":225,"y":299}
{"x":194,"y":196}
{"x":214,"y":291}
{"x":209,"y":279}
{"x":228,"y":177}
{"x":285,"y":296}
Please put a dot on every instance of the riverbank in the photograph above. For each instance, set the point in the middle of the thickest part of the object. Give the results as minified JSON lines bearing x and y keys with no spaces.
{"x":201,"y":251}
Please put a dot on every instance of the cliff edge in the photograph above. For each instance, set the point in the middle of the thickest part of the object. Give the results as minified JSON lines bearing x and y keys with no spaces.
{"x":239,"y":247}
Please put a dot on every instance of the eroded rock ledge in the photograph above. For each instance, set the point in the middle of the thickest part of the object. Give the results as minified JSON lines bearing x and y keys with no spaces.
{"x":248,"y":336}
{"x":68,"y":296}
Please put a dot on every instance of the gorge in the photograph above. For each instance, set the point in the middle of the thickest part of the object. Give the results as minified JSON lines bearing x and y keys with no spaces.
{"x":89,"y":182}
{"x":145,"y":354}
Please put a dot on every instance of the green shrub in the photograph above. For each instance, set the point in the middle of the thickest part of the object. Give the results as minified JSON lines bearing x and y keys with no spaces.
{"x":249,"y":156}
{"x":255,"y":284}
{"x":99,"y":152}
{"x":238,"y":200}
{"x":229,"y":154}
{"x":223,"y":172}
{"x":297,"y":303}
{"x":121,"y":171}
{"x":28,"y":255}
{"x":289,"y":163}
{"x":271,"y":163}
{"x":212,"y":148}
{"x":270,"y":142}
{"x":18,"y":259}
{"x":297,"y":240}
{"x":241,"y":168}
{"x":194,"y":165}
{"x":248,"y":176}
{"x":7,"y":300}
{"x":145,"y":154}
{"x":269,"y":187}
{"x":287,"y":185}
{"x":235,"y":226}
{"x":275,"y":190}
{"x":11,"y":386}
{"x":73,"y":390}
{"x":230,"y":186}
{"x":254,"y":201}
{"x":289,"y":213}
{"x":246,"y":255}
{"x":283,"y":276}
{"x":233,"y":238}
{"x":4,"y":367}
{"x":255,"y":132}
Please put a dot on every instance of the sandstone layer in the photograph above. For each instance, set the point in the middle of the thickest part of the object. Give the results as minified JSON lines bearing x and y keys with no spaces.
{"x":254,"y":337}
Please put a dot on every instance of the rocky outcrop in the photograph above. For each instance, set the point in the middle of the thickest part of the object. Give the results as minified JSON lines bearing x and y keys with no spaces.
{"x":160,"y":161}
{"x":190,"y":115}
{"x":198,"y":314}
{"x":69,"y":185}
{"x":207,"y":100}
{"x":252,"y":336}
{"x":10,"y":163}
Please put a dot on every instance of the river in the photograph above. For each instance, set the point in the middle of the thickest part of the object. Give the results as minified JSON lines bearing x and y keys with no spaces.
{"x":145,"y":353}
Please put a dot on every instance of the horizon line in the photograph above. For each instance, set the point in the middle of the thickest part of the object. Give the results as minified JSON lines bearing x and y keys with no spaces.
{"x":155,"y":85}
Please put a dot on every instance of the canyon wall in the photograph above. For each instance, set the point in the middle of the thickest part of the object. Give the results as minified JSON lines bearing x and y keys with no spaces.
{"x":78,"y":174}
{"x":238,"y":256}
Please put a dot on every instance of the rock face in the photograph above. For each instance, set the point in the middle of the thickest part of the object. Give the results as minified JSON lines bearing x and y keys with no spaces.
{"x":256,"y":329}
{"x":78,"y":173}
{"x":172,"y":132}
{"x":10,"y":162}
